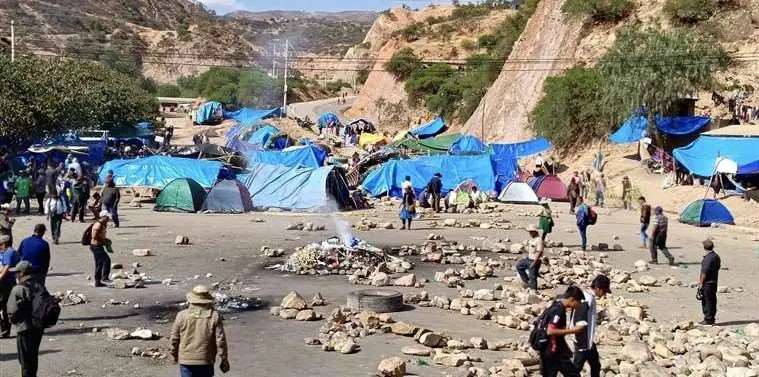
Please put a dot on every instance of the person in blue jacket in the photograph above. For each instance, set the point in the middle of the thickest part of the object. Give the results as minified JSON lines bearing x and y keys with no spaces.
{"x":582,"y":214}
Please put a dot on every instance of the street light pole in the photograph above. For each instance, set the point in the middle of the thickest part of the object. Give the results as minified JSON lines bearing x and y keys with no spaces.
{"x":13,"y":41}
{"x":284,"y":102}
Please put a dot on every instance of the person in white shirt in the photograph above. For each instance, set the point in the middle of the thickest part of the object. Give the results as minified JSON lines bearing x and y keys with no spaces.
{"x":55,"y":209}
{"x":532,"y":263}
{"x":586,"y":318}
{"x":76,"y":166}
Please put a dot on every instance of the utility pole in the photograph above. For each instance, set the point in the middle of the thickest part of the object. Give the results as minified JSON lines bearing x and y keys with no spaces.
{"x":13,"y":41}
{"x":284,"y":102}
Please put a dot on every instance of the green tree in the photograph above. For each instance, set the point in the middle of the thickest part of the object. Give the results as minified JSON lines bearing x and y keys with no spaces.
{"x":403,"y":63}
{"x":169,"y":90}
{"x":425,"y":82}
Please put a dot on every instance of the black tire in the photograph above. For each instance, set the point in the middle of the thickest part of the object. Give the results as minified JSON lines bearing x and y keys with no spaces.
{"x":376,"y":300}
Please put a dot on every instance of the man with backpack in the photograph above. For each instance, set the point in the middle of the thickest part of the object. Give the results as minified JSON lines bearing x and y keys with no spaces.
{"x":31,"y":309}
{"x":586,"y":318}
{"x":549,"y":332}
{"x":585,"y":217}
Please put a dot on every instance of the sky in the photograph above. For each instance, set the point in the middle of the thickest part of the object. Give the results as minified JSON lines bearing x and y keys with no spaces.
{"x":225,"y":6}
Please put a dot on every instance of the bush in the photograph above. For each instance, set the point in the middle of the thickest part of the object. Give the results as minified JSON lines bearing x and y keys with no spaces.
{"x":469,"y":11}
{"x":362,"y":76}
{"x":412,"y":32}
{"x":599,"y":10}
{"x":403,"y":63}
{"x":424,"y":82}
{"x":690,"y":11}
{"x":468,"y":44}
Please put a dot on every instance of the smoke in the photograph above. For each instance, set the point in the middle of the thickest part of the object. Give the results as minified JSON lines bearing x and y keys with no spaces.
{"x":342,"y":227}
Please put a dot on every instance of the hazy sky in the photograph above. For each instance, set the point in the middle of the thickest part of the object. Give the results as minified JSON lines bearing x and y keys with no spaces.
{"x":225,"y":6}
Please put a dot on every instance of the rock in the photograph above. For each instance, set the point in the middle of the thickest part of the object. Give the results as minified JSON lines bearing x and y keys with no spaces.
{"x":603,"y":247}
{"x":288,"y":313}
{"x":449,"y":359}
{"x":484,"y":295}
{"x":480,"y":313}
{"x":456,"y":344}
{"x":431,"y":339}
{"x":740,"y":372}
{"x":117,"y":334}
{"x":349,"y":347}
{"x":405,"y":281}
{"x":634,"y":312}
{"x":141,"y":252}
{"x":118,"y":266}
{"x":402,"y":328}
{"x":478,"y":343}
{"x":641,"y":265}
{"x":143,"y":334}
{"x":617,"y":247}
{"x":486,"y":226}
{"x":415,"y":351}
{"x":386,"y":225}
{"x":450,"y":222}
{"x":306,"y":315}
{"x":293,"y":301}
{"x":318,"y":300}
{"x":312,"y":341}
{"x":369,"y":320}
{"x":136,"y":351}
{"x":647,"y":280}
{"x":516,"y":248}
{"x":295,"y":226}
{"x":379,"y":279}
{"x":392,"y":367}
{"x":636,"y":352}
{"x":182,"y":240}
{"x":274,"y":310}
{"x":752,"y":329}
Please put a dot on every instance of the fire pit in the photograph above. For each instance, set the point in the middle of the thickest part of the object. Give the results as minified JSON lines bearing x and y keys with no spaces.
{"x":376,"y":300}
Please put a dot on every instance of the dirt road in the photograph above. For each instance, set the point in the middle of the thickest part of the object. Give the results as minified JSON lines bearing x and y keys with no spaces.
{"x":314,"y":109}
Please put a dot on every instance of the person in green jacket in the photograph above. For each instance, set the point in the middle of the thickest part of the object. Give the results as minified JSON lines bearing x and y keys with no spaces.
{"x":23,"y":190}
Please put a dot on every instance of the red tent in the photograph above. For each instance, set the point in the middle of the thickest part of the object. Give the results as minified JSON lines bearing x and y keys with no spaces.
{"x":549,"y":186}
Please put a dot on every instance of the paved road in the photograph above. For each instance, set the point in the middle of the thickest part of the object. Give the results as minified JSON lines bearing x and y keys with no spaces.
{"x":314,"y":109}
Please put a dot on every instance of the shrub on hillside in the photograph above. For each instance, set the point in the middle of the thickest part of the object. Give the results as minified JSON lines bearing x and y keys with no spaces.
{"x":599,"y":10}
{"x":412,"y":32}
{"x":468,"y":44}
{"x":427,"y":81}
{"x":690,"y":11}
{"x":403,"y":63}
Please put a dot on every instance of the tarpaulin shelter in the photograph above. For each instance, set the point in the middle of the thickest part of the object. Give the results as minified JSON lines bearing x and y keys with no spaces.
{"x":328,"y":118}
{"x":370,"y":139}
{"x":228,"y":196}
{"x":387,"y":178}
{"x":92,"y":153}
{"x":700,"y":156}
{"x":549,"y":186}
{"x":209,"y":112}
{"x":247,"y":115}
{"x":262,"y":135}
{"x":635,"y":127}
{"x":518,"y":192}
{"x":321,"y":189}
{"x":158,"y":171}
{"x":749,"y":168}
{"x":181,"y":195}
{"x":431,"y":129}
{"x":468,"y":145}
{"x":705,"y":212}
{"x":309,"y":156}
{"x":437,"y":145}
{"x":522,"y":149}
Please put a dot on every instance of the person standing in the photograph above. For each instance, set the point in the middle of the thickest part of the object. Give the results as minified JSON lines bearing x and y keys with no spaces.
{"x":435,"y":189}
{"x":55,"y":210}
{"x":75,"y":166}
{"x":28,"y":336}
{"x":406,"y":183}
{"x":51,"y":177}
{"x":582,"y":214}
{"x":6,"y":224}
{"x":95,"y":205}
{"x":573,"y":191}
{"x":546,"y":218}
{"x":23,"y":189}
{"x":111,"y":197}
{"x":707,"y":282}
{"x":645,"y":220}
{"x":80,"y":193}
{"x":626,"y":193}
{"x":197,"y":336}
{"x":98,"y":247}
{"x":35,"y":250}
{"x":533,"y":260}
{"x":586,"y":318}
{"x":8,"y":260}
{"x":659,"y":237}
{"x":557,"y":357}
{"x":40,"y":189}
{"x":408,"y":207}
{"x":600,"y":190}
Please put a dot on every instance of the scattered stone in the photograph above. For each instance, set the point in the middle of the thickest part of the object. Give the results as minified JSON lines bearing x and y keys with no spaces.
{"x":306,"y":315}
{"x":415,"y":351}
{"x":392,"y":367}
{"x":641,"y":265}
{"x":386,"y":225}
{"x":450,"y":359}
{"x":431,"y":339}
{"x":648,"y":281}
{"x":293,"y":301}
{"x":405,"y":281}
{"x":182,"y":240}
{"x":318,"y":300}
{"x":402,"y":328}
{"x":117,"y":334}
{"x":144,"y":334}
{"x":141,"y":252}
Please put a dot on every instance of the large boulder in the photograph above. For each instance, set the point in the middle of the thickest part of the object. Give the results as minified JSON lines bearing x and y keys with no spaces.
{"x":637,"y":352}
{"x":293,"y":301}
{"x":392,"y":367}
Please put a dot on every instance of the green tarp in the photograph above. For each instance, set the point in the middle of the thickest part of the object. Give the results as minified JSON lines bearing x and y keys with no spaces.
{"x":181,"y":195}
{"x":435,"y":145}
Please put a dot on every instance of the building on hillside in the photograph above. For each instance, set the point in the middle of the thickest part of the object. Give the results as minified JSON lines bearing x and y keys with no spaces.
{"x":171,"y":105}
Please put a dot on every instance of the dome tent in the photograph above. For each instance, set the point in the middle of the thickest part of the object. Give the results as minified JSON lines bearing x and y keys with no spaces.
{"x":518,"y":192}
{"x":549,"y":186}
{"x":181,"y":195}
{"x":705,"y":212}
{"x":228,"y":196}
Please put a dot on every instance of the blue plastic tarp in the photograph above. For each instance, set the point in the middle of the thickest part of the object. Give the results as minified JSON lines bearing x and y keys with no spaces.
{"x":207,"y":112}
{"x":277,"y":186}
{"x":522,"y":149}
{"x":328,"y":118}
{"x":389,"y":176}
{"x":431,"y":129}
{"x":262,"y":135}
{"x":681,"y":125}
{"x":158,"y":171}
{"x":308,"y":156}
{"x":700,"y":156}
{"x":631,"y":131}
{"x":468,"y":145}
{"x":250,"y":116}
{"x":749,"y":168}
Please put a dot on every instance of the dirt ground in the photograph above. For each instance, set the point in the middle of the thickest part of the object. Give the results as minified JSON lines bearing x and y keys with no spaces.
{"x":262,"y":345}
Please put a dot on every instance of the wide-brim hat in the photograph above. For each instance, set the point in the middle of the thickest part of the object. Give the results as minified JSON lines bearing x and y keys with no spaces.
{"x":200,"y":295}
{"x":531,"y":228}
{"x":24,"y":267}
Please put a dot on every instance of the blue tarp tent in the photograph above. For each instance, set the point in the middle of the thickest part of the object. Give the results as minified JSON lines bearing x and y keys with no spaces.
{"x":634,"y":127}
{"x":208,"y":112}
{"x":299,"y":189}
{"x":455,"y":169}
{"x":468,"y":145}
{"x":309,"y":156}
{"x":250,"y":116}
{"x":158,"y":171}
{"x":262,"y":135}
{"x":749,"y":168}
{"x":522,"y":149}
{"x":431,"y":129}
{"x":328,"y":118}
{"x":631,"y":131}
{"x":700,"y":156}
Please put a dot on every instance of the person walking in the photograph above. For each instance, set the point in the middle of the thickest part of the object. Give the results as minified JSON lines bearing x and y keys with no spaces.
{"x":659,"y":237}
{"x":111,"y":197}
{"x":557,"y":357}
{"x":600,"y":190}
{"x":408,"y":208}
{"x":23,"y":190}
{"x":99,"y":243}
{"x":573,"y":191}
{"x":80,"y":193}
{"x":546,"y":218}
{"x":6,"y":224}
{"x":626,"y":193}
{"x":8,"y":260}
{"x":55,"y":210}
{"x":645,"y":220}
{"x":533,"y":260}
{"x":35,"y":250}
{"x":586,"y":318}
{"x":435,"y":189}
{"x":707,"y":282}
{"x":28,"y":336}
{"x":582,"y":214}
{"x":197,"y":336}
{"x":95,"y":205}
{"x":40,"y":189}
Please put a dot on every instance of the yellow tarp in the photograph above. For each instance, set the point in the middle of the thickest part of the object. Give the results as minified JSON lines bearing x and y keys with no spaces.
{"x":369,"y":139}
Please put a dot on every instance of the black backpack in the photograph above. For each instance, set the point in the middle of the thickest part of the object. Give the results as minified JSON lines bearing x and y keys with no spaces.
{"x":539,"y":338}
{"x":592,"y":216}
{"x":45,"y":308}
{"x":87,"y":235}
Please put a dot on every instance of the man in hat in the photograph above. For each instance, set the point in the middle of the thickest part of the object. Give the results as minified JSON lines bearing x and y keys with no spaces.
{"x":532,"y":262}
{"x":28,"y":336}
{"x":8,"y":259}
{"x":98,"y":247}
{"x":36,"y":251}
{"x":197,"y":336}
{"x":586,"y":318}
{"x":435,"y":189}
{"x":707,"y":282}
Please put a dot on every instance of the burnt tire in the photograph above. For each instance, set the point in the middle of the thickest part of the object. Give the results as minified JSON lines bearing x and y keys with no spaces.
{"x":376,"y":300}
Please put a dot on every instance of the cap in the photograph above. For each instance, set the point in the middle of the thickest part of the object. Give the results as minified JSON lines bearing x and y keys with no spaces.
{"x":531,"y":228}
{"x":5,"y":239}
{"x":601,"y":282}
{"x":24,"y":267}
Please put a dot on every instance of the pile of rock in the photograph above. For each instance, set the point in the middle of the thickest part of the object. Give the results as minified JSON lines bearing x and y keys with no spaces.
{"x":271,"y":253}
{"x":333,"y":257}
{"x":293,"y":306}
{"x":139,"y":333}
{"x":70,"y":298}
{"x":365,"y":225}
{"x":306,"y":227}
{"x":123,"y":279}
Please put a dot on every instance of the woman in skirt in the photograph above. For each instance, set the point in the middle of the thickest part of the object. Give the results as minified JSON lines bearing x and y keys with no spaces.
{"x":408,"y":207}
